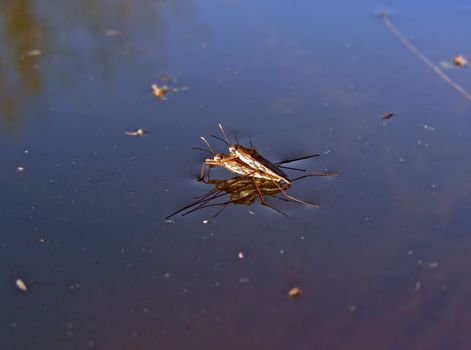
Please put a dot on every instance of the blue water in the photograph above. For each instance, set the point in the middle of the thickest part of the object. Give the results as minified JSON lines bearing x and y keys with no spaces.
{"x":382,"y":264}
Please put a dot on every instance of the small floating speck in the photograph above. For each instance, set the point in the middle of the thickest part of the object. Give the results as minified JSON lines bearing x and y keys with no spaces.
{"x":205,"y":221}
{"x":20,"y":169}
{"x":241,"y":255}
{"x":138,"y":132}
{"x":21,"y":285}
{"x":460,"y":61}
{"x":433,"y":265}
{"x":161,"y":91}
{"x":428,"y":127}
{"x":251,"y":212}
{"x":387,"y":115}
{"x":295,"y":292}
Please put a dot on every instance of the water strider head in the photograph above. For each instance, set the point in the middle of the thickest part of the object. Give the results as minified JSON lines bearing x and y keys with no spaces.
{"x":238,"y":149}
{"x":218,"y":157}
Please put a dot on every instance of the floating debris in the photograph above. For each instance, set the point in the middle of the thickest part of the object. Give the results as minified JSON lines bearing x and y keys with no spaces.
{"x":205,"y":221}
{"x":388,"y":22}
{"x":387,"y":115}
{"x":428,"y":127}
{"x":352,"y":308}
{"x":20,"y":169}
{"x":241,"y":255}
{"x":138,"y":132}
{"x":433,"y":265}
{"x":460,"y":61}
{"x":161,"y":91}
{"x":21,"y":285}
{"x":295,"y":292}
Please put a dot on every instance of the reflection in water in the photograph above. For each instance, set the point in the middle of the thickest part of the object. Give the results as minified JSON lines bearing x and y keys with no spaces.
{"x":80,"y":47}
{"x":244,"y":190}
{"x":22,"y":32}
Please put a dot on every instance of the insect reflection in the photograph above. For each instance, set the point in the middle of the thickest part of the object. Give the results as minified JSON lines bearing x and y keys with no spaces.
{"x":242,"y":190}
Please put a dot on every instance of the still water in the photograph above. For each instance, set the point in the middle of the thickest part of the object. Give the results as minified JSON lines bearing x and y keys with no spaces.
{"x":382,"y":264}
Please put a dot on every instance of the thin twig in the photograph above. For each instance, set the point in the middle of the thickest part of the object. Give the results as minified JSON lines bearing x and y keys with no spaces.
{"x":387,"y":20}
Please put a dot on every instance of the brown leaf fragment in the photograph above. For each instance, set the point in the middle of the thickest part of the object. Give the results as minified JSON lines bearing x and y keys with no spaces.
{"x":295,"y":292}
{"x":460,"y":60}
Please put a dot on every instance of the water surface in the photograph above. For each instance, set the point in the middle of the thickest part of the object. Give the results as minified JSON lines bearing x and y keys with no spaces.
{"x":382,"y":263}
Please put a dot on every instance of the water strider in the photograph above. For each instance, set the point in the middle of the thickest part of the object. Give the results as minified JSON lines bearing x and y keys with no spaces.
{"x":262,"y":167}
{"x":258,"y":177}
{"x":236,"y":165}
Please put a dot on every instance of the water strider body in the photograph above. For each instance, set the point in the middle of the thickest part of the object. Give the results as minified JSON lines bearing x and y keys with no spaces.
{"x":262,"y":165}
{"x":235,"y":164}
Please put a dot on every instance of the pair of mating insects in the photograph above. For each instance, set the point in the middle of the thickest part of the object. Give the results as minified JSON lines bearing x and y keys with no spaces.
{"x":249,"y":163}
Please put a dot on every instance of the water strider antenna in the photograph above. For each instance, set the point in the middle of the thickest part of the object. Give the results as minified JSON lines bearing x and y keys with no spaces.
{"x":202,"y":149}
{"x":209,"y":146}
{"x":220,"y":139}
{"x":222,"y":130}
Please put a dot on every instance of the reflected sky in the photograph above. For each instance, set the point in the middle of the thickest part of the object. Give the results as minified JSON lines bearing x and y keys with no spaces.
{"x":381,"y":262}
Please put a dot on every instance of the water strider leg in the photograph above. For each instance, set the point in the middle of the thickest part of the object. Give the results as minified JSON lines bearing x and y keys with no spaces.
{"x":264,"y":202}
{"x":294,"y":198}
{"x":315,"y":174}
{"x":202,"y":172}
{"x":296,"y":159}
